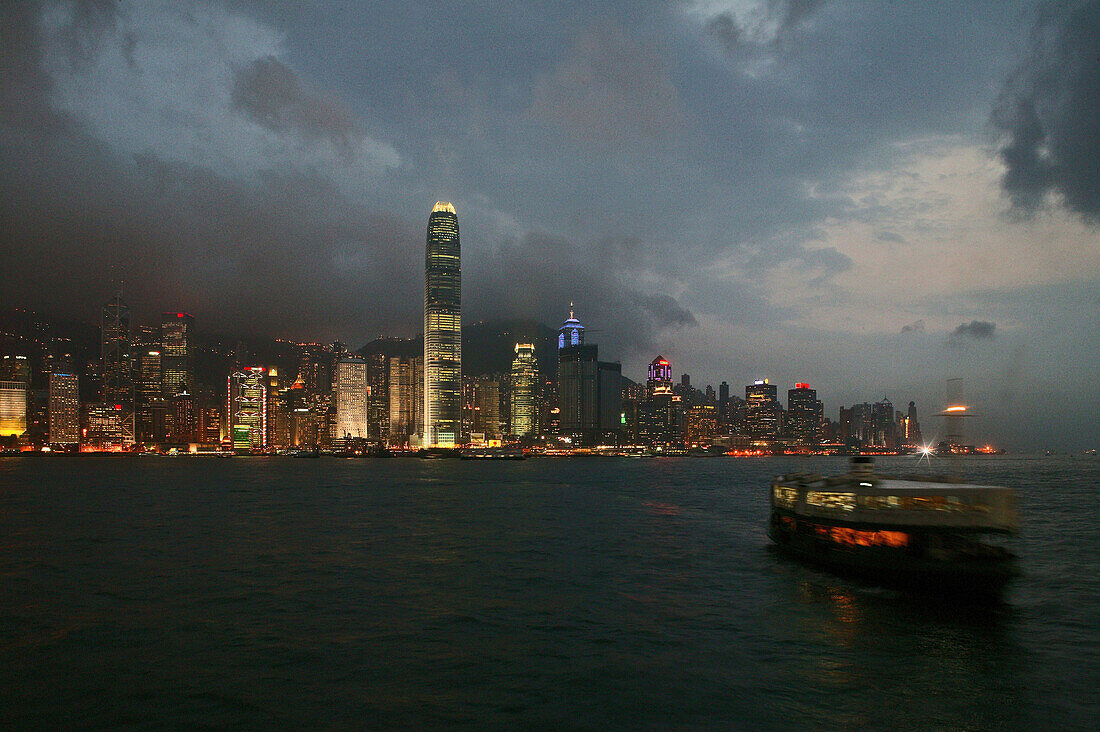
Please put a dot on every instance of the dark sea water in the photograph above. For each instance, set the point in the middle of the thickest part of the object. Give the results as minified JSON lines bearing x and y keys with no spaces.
{"x":593,"y":592}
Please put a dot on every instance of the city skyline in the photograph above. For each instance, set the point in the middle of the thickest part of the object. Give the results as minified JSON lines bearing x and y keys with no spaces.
{"x":794,"y":191}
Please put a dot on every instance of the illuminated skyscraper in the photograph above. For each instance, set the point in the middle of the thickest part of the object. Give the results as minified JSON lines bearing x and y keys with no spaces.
{"x":804,"y":413}
{"x":761,"y":409}
{"x":246,"y":408}
{"x":176,"y":352}
{"x":659,"y":380}
{"x":524,"y":380}
{"x":64,"y":409}
{"x":442,"y":330}
{"x":351,"y":398}
{"x":406,"y":399}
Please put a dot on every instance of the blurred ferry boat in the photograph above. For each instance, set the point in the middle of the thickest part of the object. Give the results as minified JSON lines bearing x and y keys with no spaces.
{"x":923,"y":533}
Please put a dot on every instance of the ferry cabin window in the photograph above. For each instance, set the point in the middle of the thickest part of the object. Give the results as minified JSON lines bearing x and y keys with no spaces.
{"x":785,"y":496}
{"x":952,"y":504}
{"x":835,"y":501}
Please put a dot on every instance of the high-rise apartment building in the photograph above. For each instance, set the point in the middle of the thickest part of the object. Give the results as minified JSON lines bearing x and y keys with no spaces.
{"x":442,"y":329}
{"x":64,"y":406}
{"x":177,"y":353}
{"x":524,"y":381}
{"x":246,"y":408}
{"x":351,"y":399}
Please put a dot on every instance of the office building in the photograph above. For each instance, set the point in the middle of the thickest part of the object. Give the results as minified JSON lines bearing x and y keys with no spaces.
{"x":589,"y":391}
{"x":805,"y":414}
{"x":177,"y":353}
{"x":524,"y":382}
{"x":351,"y":399}
{"x":64,"y":409}
{"x":406,"y":399}
{"x":378,"y":395}
{"x":13,"y":408}
{"x":118,"y":387}
{"x":246,"y":408}
{"x":659,"y":379}
{"x":762,"y":410}
{"x":442,"y":329}
{"x":700,"y":425}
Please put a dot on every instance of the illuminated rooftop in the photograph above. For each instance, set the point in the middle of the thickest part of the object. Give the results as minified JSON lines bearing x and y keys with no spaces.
{"x":443,"y":206}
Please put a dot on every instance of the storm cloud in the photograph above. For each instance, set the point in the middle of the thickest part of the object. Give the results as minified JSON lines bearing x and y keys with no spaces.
{"x":975,"y":330}
{"x":1049,"y":112}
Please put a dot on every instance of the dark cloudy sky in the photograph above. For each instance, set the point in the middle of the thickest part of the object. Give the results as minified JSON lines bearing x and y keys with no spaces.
{"x":869,"y":196}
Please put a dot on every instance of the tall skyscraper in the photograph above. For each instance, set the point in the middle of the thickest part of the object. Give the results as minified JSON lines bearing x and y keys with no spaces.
{"x":524,"y":380}
{"x":176,"y":353}
{"x":351,"y":398}
{"x":442,"y":329}
{"x":246,"y":408}
{"x":406,"y":399}
{"x":762,"y":409}
{"x":64,"y":409}
{"x":589,"y":391}
{"x":118,"y":387}
{"x":804,"y":413}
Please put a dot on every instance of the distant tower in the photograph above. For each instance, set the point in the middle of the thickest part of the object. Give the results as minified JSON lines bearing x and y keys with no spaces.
{"x":176,"y":353}
{"x":351,"y":398}
{"x":118,"y":387}
{"x":571,"y":332}
{"x":64,"y":406}
{"x":762,"y":409}
{"x":442,"y":329}
{"x":524,"y":380}
{"x":246,"y":408}
{"x":659,"y":380}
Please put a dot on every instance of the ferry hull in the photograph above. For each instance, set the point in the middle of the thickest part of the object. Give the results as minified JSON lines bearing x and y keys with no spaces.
{"x":965,"y":578}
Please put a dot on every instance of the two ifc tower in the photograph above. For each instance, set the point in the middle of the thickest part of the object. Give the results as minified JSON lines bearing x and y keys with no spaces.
{"x":442,"y":330}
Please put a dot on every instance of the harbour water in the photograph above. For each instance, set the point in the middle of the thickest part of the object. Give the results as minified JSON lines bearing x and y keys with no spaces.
{"x":576,"y":592}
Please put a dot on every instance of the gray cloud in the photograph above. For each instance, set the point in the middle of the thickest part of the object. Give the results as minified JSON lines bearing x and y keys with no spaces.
{"x":975,"y":330}
{"x":917,"y":326}
{"x":273,"y":95}
{"x":890,"y":236}
{"x":608,"y":86}
{"x":1050,"y":113}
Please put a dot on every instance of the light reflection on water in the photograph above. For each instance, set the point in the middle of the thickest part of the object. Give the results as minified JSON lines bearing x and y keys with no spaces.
{"x":546,"y":592}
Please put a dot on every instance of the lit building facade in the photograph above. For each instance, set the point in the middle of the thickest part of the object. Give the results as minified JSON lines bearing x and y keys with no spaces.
{"x":147,"y":393}
{"x":589,"y":390}
{"x":442,"y":329}
{"x":700,"y":425}
{"x":351,"y":399}
{"x":176,"y":353}
{"x":406,"y":399}
{"x":659,"y":379}
{"x":805,"y":414}
{"x":762,"y":411}
{"x":524,"y":381}
{"x":246,"y":407}
{"x":13,"y":408}
{"x":64,"y":409}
